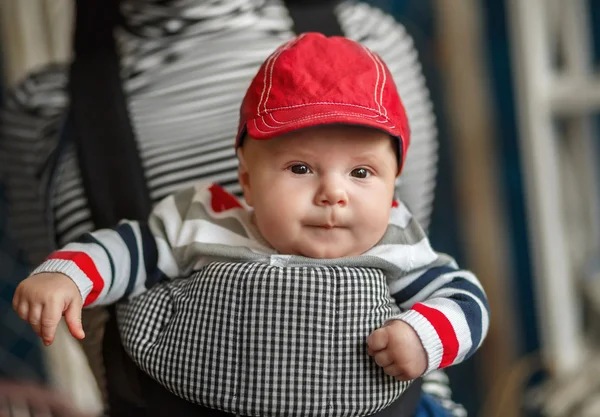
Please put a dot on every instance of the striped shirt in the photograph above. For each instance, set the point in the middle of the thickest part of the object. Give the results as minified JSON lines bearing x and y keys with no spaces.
{"x":193,"y":228}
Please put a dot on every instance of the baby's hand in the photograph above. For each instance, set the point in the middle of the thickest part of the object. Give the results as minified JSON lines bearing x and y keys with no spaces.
{"x":398,"y":350}
{"x":42,"y":299}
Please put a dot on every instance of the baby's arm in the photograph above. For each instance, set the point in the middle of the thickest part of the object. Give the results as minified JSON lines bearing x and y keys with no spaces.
{"x":100,"y":268}
{"x":447,"y":313}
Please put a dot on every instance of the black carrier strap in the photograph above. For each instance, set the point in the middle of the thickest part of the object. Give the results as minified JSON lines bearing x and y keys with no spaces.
{"x":114,"y":181}
{"x":315,"y":16}
{"x":111,"y":169}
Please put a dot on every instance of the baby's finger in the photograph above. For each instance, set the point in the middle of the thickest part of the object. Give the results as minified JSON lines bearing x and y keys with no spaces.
{"x":15,"y":301}
{"x":378,"y":340}
{"x":34,"y":317}
{"x":403,"y":377}
{"x":383,"y":358}
{"x":393,"y":370}
{"x":73,"y":319}
{"x":50,"y":319}
{"x":22,"y":309}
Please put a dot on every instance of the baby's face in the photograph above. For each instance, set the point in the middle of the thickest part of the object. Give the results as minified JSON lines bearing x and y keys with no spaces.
{"x":323,"y":192}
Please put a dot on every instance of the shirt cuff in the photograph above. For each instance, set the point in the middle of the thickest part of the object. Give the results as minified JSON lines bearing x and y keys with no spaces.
{"x":70,"y":269}
{"x":429,"y":338}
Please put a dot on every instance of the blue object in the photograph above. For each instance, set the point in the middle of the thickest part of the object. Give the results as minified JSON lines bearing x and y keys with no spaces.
{"x":429,"y":407}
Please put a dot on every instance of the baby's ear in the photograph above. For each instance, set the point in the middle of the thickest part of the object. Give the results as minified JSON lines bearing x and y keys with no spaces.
{"x":244,"y":177}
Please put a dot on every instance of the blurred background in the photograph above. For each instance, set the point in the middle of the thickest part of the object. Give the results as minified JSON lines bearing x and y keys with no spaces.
{"x":516,"y":94}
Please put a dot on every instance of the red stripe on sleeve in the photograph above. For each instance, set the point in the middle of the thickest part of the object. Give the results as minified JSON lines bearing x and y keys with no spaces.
{"x":445,"y":331}
{"x":85,"y":263}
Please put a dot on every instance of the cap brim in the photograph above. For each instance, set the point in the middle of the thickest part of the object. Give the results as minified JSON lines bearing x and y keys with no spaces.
{"x":278,"y":122}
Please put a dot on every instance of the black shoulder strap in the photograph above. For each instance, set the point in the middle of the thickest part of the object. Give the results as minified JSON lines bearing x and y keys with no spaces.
{"x":109,"y":160}
{"x":315,"y":16}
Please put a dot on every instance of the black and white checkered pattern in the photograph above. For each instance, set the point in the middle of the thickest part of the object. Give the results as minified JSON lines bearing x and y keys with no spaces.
{"x":255,"y":339}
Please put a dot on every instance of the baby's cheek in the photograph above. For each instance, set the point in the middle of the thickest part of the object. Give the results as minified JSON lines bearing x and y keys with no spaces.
{"x":278,"y":229}
{"x":378,"y":225}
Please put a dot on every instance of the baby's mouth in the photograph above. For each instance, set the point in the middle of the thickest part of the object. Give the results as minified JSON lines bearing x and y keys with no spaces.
{"x":326,"y":226}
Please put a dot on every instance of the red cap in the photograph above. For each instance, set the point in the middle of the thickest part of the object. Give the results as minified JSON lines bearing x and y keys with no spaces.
{"x":315,"y":80}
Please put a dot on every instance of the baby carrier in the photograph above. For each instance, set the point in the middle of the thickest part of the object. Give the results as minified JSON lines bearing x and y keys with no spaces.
{"x":99,"y":125}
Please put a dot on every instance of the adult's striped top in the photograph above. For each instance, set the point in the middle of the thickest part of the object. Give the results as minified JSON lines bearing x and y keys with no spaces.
{"x":186,"y":66}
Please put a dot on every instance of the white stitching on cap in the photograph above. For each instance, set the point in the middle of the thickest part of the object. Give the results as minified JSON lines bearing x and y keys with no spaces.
{"x":296,"y":121}
{"x":386,"y":120}
{"x":378,"y":58}
{"x":286,"y":46}
{"x":271,"y":57}
{"x":323,"y":103}
{"x":320,"y":116}
{"x":376,"y":81}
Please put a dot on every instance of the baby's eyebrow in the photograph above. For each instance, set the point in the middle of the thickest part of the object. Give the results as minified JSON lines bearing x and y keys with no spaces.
{"x":368,"y":157}
{"x":293,"y":153}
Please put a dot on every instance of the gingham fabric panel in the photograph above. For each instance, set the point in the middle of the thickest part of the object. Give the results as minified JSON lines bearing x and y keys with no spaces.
{"x":255,"y":339}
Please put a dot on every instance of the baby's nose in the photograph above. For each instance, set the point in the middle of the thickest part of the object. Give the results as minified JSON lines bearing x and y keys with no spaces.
{"x":332,"y":192}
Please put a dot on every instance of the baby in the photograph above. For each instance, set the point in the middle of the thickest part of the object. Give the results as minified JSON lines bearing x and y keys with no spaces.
{"x":318,"y":258}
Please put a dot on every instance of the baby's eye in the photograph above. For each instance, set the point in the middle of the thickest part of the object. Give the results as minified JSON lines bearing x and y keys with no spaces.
{"x":300,"y":169}
{"x":360,"y":173}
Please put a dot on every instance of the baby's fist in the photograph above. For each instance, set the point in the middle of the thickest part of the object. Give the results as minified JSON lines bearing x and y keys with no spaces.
{"x":42,"y":300}
{"x":396,"y":347}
